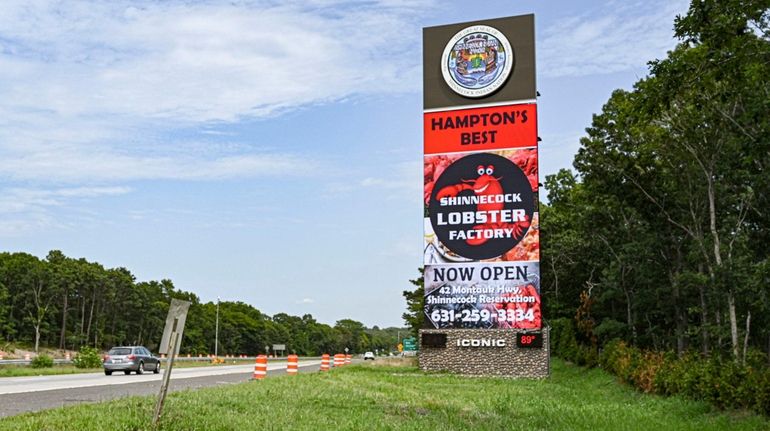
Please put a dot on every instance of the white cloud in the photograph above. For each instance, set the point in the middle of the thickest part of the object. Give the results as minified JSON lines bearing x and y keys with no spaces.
{"x":306,"y":301}
{"x":401,"y":181}
{"x":403,"y":176}
{"x":26,"y":210}
{"x":20,"y":200}
{"x":76,"y":164}
{"x":615,"y":37}
{"x":87,"y":88}
{"x":199,"y":62}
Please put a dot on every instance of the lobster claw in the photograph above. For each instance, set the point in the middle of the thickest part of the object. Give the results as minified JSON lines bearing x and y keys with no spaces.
{"x":519,"y":228}
{"x":451,"y":191}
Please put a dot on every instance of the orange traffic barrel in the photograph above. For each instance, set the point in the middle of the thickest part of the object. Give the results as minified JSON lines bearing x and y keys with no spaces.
{"x":292,"y":365}
{"x":347,"y":359}
{"x":260,"y":367}
{"x":325,"y":362}
{"x":339,"y":360}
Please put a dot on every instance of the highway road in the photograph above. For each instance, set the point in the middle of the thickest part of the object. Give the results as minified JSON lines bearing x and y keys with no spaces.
{"x":29,"y":394}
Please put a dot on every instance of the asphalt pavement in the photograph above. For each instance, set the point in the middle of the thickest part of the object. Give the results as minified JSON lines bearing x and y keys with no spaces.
{"x":29,"y":394}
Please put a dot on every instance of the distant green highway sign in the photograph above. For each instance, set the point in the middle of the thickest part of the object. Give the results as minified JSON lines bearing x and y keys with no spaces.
{"x":410,"y":344}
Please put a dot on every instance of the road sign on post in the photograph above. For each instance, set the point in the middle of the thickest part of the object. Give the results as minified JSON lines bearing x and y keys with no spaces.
{"x":169,"y":344}
{"x":410,"y":344}
{"x":279,"y":348}
{"x":177,"y":315}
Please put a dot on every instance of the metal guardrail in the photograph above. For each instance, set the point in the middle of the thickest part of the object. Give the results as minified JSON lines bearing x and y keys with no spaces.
{"x":177,"y":359}
{"x":27,"y":362}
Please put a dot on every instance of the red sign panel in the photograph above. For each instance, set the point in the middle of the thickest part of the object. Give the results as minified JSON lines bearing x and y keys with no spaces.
{"x":482,"y":129}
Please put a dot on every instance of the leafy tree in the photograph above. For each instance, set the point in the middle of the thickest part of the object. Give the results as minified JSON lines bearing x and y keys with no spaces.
{"x":664,"y":223}
{"x":80,"y":304}
{"x":415,"y":304}
{"x":6,"y":328}
{"x":352,"y":335}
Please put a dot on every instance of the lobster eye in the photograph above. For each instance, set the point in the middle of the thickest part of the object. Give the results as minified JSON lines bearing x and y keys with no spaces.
{"x":490,"y":170}
{"x":480,"y":170}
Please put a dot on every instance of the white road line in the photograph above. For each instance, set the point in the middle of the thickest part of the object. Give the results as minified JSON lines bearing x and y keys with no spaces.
{"x":17,"y":385}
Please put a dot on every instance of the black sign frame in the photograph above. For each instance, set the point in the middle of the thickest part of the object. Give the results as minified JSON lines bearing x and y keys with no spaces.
{"x":529,"y":340}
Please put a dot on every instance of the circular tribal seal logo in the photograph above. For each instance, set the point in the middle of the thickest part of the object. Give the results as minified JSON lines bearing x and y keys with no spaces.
{"x":481,"y":206}
{"x":477,"y":61}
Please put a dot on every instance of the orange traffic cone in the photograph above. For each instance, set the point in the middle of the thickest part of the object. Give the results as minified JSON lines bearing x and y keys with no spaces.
{"x":260,"y":367}
{"x":339,"y":360}
{"x":292,"y":365}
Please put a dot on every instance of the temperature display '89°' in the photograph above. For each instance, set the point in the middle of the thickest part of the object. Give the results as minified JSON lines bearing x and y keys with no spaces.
{"x":531,"y":340}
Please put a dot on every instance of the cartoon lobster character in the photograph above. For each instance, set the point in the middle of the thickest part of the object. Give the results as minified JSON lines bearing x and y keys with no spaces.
{"x":485,"y":185}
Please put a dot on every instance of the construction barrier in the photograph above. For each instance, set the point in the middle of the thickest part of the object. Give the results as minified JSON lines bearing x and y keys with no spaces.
{"x":66,"y":356}
{"x":339,"y":360}
{"x":292,"y":365}
{"x":325,"y":362}
{"x":26,"y":357}
{"x":162,"y":356}
{"x":260,"y":367}
{"x":1,"y":356}
{"x":347,"y":359}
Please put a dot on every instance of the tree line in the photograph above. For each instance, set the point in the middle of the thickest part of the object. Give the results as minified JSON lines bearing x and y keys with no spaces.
{"x":67,"y":303}
{"x":659,"y":235}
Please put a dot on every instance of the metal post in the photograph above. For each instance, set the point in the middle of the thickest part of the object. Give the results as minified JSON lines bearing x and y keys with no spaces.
{"x":216,"y":333}
{"x":166,"y":378}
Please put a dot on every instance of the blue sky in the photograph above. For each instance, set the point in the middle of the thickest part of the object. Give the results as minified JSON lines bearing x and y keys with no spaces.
{"x":264,"y":151}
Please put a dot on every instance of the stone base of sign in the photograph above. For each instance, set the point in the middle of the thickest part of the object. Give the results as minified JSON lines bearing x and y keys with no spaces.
{"x":506,"y":361}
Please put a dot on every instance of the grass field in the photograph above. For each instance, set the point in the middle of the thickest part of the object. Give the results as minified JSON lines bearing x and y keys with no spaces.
{"x":26,"y":370}
{"x":382,"y":397}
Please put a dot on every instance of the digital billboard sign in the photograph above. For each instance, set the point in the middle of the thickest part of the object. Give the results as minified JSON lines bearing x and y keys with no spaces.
{"x":480,"y":184}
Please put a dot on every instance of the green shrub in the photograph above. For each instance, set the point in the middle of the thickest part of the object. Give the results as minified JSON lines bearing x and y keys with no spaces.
{"x":563,"y":339}
{"x":668,"y":378}
{"x":759,"y":382}
{"x":620,"y":359}
{"x":648,"y":364}
{"x":586,"y":356}
{"x":88,"y":357}
{"x":42,"y":361}
{"x":609,"y":355}
{"x":720,"y":381}
{"x":610,"y":329}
